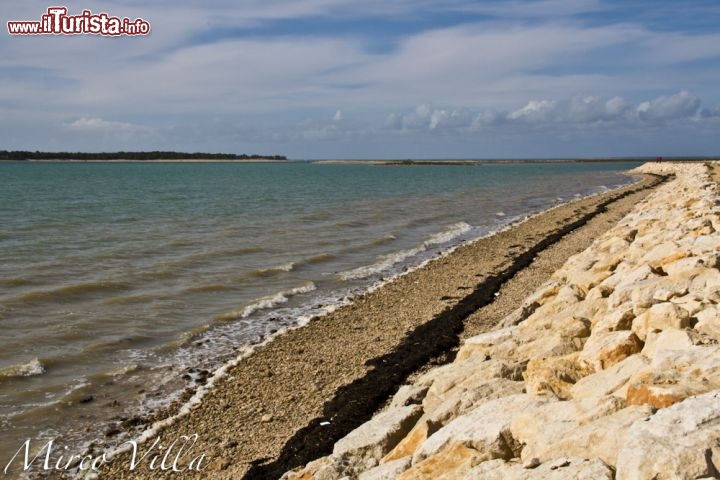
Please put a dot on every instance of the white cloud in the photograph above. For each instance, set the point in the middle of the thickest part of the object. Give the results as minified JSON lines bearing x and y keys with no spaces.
{"x":671,"y":48}
{"x":419,"y":119}
{"x":425,"y":117}
{"x":681,"y":105}
{"x":394,"y":121}
{"x":494,"y":64}
{"x":95,"y":124}
{"x":524,"y":64}
{"x":441,"y":119}
{"x":488,"y":117}
{"x":536,"y":111}
{"x":578,"y":111}
{"x":309,"y":130}
{"x":95,"y":133}
{"x":480,"y":63}
{"x":618,"y":107}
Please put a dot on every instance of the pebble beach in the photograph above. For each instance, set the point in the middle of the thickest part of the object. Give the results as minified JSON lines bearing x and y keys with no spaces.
{"x":294,"y":398}
{"x":609,"y":370}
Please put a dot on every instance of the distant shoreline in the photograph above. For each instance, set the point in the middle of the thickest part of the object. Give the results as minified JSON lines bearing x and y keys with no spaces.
{"x":282,"y":159}
{"x":140,"y":156}
{"x":470,"y":162}
{"x":159,"y":160}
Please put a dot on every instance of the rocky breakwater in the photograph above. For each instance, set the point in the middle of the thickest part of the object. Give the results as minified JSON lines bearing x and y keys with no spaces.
{"x":610,"y":370}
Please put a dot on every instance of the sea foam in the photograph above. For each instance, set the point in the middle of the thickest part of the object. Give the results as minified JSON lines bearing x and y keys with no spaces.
{"x":387,"y":261}
{"x":30,"y":369}
{"x":267,"y":302}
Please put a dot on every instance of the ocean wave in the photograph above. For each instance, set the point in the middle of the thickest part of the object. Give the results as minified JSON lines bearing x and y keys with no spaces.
{"x":425,"y":220}
{"x":185,"y":338}
{"x":291,"y":266}
{"x":352,"y":223}
{"x":164,"y":268}
{"x":209,"y":288}
{"x":319,"y":258}
{"x":130,"y":299}
{"x":384,"y":239}
{"x":387,"y":261}
{"x":76,"y":391}
{"x":30,"y":369}
{"x":16,"y":282}
{"x":78,"y":290}
{"x":122,"y":369}
{"x":454,"y":230}
{"x":267,"y":302}
{"x":113,"y":343}
{"x":269,"y":271}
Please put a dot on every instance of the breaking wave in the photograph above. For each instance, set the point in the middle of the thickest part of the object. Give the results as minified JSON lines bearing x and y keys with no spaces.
{"x":267,"y":302}
{"x":386,"y":261}
{"x":30,"y":369}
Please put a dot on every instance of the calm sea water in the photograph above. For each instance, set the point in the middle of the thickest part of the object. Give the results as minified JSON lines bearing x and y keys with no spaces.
{"x":116,"y":279}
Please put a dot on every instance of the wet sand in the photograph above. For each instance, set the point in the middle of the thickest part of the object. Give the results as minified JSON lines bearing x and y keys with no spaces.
{"x":293,"y":398}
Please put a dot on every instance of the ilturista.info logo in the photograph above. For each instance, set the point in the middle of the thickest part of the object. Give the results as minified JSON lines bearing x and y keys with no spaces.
{"x":57,"y":22}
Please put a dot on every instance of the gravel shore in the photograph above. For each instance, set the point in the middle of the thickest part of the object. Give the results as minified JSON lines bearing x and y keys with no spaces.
{"x":292,"y":399}
{"x":608,"y":370}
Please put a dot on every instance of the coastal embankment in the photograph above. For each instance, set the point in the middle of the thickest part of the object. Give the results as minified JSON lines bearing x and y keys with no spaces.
{"x":609,"y":370}
{"x":293,"y":398}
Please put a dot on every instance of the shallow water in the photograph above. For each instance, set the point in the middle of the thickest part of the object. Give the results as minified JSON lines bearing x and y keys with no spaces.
{"x":118,"y":278}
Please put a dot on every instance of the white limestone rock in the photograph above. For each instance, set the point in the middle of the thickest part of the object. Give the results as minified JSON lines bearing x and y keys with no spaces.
{"x":486,"y":428}
{"x":374,"y":439}
{"x":682,"y":441}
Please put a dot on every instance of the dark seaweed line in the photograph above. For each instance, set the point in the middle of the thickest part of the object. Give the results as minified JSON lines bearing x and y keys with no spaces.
{"x":355,"y":403}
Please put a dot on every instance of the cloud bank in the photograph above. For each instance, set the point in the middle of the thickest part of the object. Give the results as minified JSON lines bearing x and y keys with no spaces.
{"x":323,"y":78}
{"x":576,"y":112}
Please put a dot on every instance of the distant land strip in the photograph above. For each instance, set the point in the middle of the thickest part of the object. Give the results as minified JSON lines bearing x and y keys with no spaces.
{"x":500,"y":161}
{"x":20,"y":155}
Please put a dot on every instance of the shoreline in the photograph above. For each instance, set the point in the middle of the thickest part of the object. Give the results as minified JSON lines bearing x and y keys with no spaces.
{"x":609,"y":369}
{"x":168,"y":160}
{"x":465,"y":163}
{"x":301,"y":372}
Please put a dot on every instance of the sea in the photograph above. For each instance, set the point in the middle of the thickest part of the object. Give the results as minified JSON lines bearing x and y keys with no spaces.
{"x":124,"y":284}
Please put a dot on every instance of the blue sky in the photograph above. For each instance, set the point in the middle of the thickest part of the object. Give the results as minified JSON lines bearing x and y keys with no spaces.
{"x":372,"y":79}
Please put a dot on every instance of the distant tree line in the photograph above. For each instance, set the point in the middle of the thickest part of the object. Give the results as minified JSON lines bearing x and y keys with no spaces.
{"x":155,"y":155}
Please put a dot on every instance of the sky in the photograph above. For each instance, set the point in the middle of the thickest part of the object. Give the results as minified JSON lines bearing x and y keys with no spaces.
{"x":371,"y":79}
